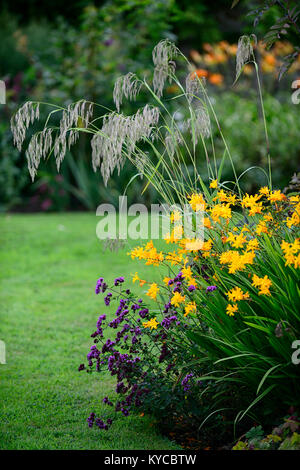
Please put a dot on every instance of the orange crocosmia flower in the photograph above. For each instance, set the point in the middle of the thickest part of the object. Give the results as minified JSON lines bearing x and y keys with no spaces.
{"x":216,"y":79}
{"x":207,"y":222}
{"x":270,"y":59}
{"x":200,"y":73}
{"x":196,"y":57}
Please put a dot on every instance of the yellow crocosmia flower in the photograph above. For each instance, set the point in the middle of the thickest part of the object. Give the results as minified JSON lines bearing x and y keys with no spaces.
{"x":190,"y":308}
{"x":236,"y":294}
{"x":297,"y":261}
{"x":249,"y":201}
{"x":187,"y":273}
{"x":236,"y":261}
{"x":197,"y":202}
{"x":207,"y":222}
{"x":263,"y":283}
{"x":252,"y":245}
{"x":294,"y":219}
{"x":152,"y":324}
{"x":149,"y":245}
{"x":175,"y":216}
{"x":264,"y":191}
{"x":166,"y":280}
{"x":177,"y":299}
{"x":294,"y":199}
{"x":222,"y":196}
{"x":261,"y":228}
{"x":231,"y":309}
{"x":236,"y":241}
{"x":276,"y":196}
{"x":136,"y":278}
{"x":153,"y":291}
{"x":268,"y":217}
{"x":168,"y":238}
{"x":174,"y":258}
{"x":137,"y":252}
{"x":214,"y":184}
{"x":193,"y":244}
{"x":248,"y":257}
{"x":192,"y":282}
{"x":220,"y":210}
{"x":290,"y":251}
{"x":255,"y":209}
{"x":207,"y":245}
{"x":227,"y":256}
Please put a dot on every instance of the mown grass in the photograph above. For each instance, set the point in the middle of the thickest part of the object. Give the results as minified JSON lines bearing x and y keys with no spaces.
{"x":49,"y":265}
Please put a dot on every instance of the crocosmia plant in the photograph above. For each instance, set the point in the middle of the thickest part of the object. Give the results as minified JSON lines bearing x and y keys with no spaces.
{"x":210,"y":339}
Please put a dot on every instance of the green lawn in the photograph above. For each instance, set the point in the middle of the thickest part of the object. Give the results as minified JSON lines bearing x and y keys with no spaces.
{"x":49,"y":265}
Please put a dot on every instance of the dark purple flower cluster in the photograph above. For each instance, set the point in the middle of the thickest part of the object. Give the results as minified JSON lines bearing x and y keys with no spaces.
{"x":119,"y":280}
{"x":164,"y":353}
{"x":167,"y":321}
{"x":107,"y":299}
{"x":98,"y":422}
{"x":101,"y":286}
{"x":185,"y":382}
{"x":121,"y":353}
{"x":107,"y":401}
{"x":121,"y":313}
{"x":211,"y":288}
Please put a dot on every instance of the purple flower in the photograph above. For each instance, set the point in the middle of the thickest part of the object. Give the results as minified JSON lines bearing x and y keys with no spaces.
{"x":211,"y":288}
{"x":119,"y":280}
{"x":99,"y":285}
{"x":143,"y":313}
{"x":91,"y":420}
{"x":191,"y":288}
{"x":81,"y":367}
{"x":125,"y":411}
{"x":185,"y":382}
{"x":167,"y":321}
{"x":107,"y":299}
{"x":106,"y":401}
